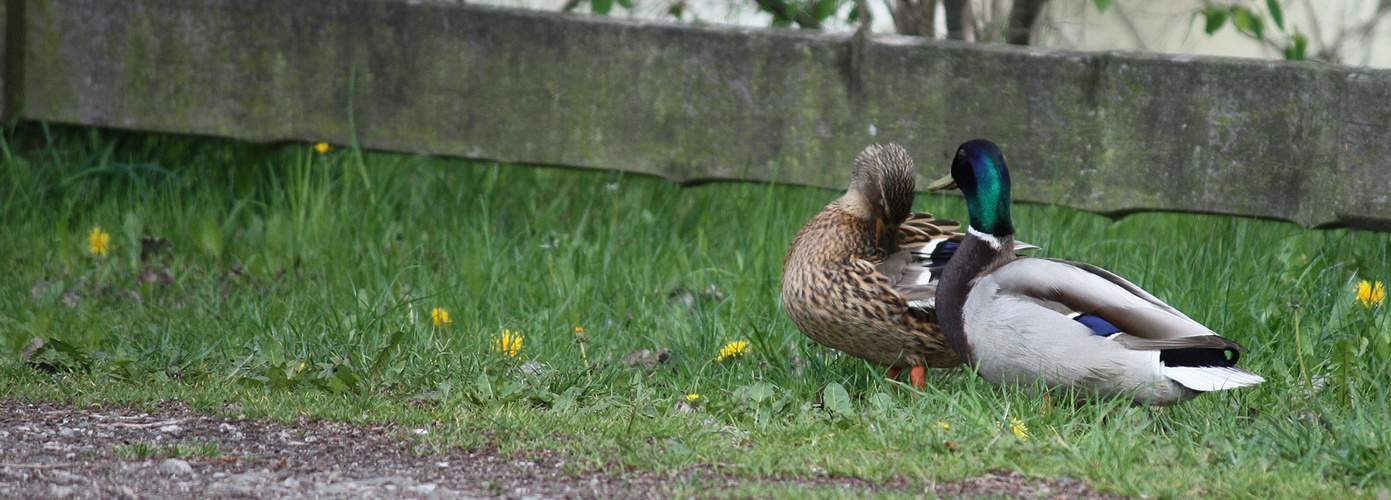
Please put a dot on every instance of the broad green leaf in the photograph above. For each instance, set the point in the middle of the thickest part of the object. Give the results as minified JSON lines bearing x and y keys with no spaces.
{"x":384,"y":354}
{"x":778,"y":405}
{"x":510,"y":391}
{"x":275,"y":377}
{"x":882,"y":402}
{"x":600,"y":6}
{"x":627,"y":4}
{"x":782,"y":15}
{"x":1248,"y":22}
{"x":1241,"y":18}
{"x":824,"y":9}
{"x":760,"y":391}
{"x":1216,"y":17}
{"x":1296,"y":49}
{"x":446,"y":388}
{"x":251,"y":382}
{"x":330,"y":385}
{"x":566,"y":400}
{"x":677,"y":448}
{"x":68,"y":349}
{"x":836,"y":399}
{"x":483,"y":387}
{"x":1102,"y":5}
{"x":345,"y":375}
{"x":1276,"y":14}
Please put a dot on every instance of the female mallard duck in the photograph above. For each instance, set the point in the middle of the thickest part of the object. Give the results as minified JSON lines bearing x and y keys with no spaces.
{"x":861,"y":276}
{"x":1021,"y":320}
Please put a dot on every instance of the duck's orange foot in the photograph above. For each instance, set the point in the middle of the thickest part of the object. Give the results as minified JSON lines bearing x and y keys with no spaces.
{"x":919,"y":377}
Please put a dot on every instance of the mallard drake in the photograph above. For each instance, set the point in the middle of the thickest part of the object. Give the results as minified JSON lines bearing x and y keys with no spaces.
{"x":1022,"y":320}
{"x":861,"y":276}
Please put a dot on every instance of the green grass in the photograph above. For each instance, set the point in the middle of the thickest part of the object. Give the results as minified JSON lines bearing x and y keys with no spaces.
{"x":143,"y":450}
{"x":303,"y":285}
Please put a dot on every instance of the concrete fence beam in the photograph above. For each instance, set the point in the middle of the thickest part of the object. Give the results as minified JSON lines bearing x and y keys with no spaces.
{"x":1107,"y":132}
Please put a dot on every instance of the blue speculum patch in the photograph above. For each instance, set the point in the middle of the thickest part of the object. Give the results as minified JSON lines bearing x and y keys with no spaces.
{"x":1097,"y":325}
{"x":943,"y":253}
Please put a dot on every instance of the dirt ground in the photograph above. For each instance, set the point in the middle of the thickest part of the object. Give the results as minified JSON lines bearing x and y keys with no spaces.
{"x":49,"y":450}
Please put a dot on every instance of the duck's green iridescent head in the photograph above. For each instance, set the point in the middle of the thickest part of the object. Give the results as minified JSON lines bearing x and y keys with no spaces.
{"x":979,"y":171}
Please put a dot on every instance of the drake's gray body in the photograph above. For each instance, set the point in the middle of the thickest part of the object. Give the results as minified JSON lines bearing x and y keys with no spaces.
{"x":1016,"y":321}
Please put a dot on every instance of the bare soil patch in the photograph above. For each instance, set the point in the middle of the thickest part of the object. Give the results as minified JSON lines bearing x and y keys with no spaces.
{"x":50,"y":450}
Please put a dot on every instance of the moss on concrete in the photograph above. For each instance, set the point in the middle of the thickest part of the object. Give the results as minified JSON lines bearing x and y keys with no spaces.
{"x":1109,"y":132}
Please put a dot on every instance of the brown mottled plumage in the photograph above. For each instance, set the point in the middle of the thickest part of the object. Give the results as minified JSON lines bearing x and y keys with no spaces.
{"x":861,"y":276}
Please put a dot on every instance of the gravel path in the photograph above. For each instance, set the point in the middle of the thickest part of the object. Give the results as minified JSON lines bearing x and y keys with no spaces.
{"x":49,"y":450}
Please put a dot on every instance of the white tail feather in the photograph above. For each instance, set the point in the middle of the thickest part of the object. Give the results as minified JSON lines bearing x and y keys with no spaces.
{"x":1211,"y":378}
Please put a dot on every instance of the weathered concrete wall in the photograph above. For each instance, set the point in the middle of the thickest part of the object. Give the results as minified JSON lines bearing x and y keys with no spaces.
{"x":1108,"y":132}
{"x":5,"y":63}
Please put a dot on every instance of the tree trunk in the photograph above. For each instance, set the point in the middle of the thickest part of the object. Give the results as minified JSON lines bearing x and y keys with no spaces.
{"x":1021,"y":20}
{"x":780,"y":9}
{"x":958,"y":14}
{"x":915,"y":17}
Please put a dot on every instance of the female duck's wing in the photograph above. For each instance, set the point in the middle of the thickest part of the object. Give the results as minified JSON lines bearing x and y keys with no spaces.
{"x":932,"y":241}
{"x":923,"y":230}
{"x":925,"y":245}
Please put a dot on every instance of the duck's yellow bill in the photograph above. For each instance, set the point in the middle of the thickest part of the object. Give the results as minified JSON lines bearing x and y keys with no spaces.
{"x":943,"y":183}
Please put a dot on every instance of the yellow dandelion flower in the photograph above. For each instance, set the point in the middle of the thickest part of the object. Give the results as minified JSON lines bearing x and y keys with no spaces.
{"x":942,"y":425}
{"x":733,"y":349}
{"x":510,"y":343}
{"x":440,"y":317}
{"x":323,"y":148}
{"x":100,"y":240}
{"x":692,"y":397}
{"x":1371,"y":294}
{"x":1020,"y":430}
